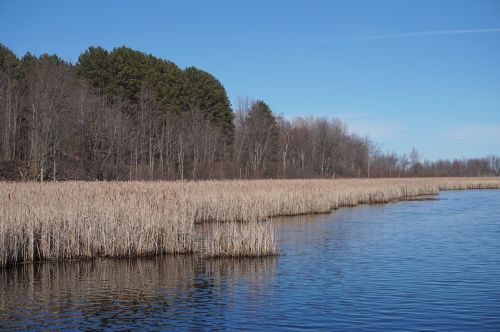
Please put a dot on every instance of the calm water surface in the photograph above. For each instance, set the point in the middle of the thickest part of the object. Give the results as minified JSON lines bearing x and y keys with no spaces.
{"x":430,"y":265}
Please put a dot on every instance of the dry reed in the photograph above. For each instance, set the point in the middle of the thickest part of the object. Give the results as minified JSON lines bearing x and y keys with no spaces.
{"x":78,"y":220}
{"x":235,"y":239}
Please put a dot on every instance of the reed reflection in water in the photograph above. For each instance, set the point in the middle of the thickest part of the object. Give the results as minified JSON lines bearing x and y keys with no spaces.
{"x":128,"y":293}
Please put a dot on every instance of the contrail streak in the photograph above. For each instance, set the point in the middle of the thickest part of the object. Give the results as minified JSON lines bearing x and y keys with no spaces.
{"x":412,"y":34}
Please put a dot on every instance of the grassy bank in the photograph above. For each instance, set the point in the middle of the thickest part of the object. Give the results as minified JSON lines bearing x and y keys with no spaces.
{"x":80,"y":220}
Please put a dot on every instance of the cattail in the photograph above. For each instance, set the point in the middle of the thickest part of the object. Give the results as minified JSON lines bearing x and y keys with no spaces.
{"x":83,"y":220}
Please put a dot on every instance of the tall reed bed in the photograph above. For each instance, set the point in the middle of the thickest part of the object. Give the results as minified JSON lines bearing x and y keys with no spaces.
{"x":235,"y":239}
{"x":79,"y":220}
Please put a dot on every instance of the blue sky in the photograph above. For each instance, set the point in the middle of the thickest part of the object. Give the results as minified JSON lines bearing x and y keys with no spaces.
{"x":420,"y":73}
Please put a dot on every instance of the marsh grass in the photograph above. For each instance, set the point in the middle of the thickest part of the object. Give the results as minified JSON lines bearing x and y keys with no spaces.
{"x":240,"y":239}
{"x":83,"y":220}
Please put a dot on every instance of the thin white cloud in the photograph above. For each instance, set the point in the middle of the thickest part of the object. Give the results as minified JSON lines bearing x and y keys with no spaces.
{"x":410,"y":35}
{"x":377,"y":130}
{"x":476,"y":133}
{"x":352,"y":115}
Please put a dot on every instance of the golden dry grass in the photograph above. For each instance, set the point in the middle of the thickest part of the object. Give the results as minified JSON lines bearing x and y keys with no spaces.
{"x":236,"y":239}
{"x":78,"y":220}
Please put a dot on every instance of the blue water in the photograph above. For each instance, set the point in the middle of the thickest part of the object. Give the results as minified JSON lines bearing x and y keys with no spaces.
{"x":413,"y":266}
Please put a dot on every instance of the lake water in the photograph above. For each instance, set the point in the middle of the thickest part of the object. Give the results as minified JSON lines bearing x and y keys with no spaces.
{"x":428,"y":265}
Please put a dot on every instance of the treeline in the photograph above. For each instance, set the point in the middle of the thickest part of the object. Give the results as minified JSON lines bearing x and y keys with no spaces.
{"x":126,"y":115}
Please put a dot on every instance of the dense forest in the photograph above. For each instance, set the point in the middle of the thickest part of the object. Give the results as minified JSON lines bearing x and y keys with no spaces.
{"x":126,"y":115}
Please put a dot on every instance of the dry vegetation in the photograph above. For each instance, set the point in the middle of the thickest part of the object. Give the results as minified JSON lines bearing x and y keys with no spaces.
{"x":240,"y":239}
{"x":78,"y":220}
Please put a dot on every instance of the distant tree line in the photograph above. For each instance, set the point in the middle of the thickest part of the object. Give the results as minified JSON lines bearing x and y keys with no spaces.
{"x":126,"y":115}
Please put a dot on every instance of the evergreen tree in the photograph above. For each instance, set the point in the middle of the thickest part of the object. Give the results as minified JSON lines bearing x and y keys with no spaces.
{"x":94,"y":65}
{"x":205,"y":92}
{"x":9,"y":63}
{"x":263,"y":138}
{"x":167,"y":82}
